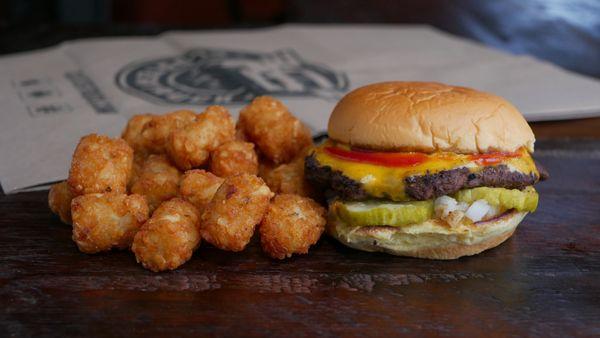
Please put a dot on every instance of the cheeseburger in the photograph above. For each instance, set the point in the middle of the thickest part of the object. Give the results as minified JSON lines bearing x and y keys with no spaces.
{"x":425,"y":170}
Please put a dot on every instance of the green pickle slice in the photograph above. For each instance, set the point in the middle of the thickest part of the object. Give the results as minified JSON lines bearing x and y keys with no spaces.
{"x":521,"y":200}
{"x":377,"y":212}
{"x":366,"y":213}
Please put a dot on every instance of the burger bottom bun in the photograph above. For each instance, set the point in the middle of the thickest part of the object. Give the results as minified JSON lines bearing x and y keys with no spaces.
{"x":432,"y":239}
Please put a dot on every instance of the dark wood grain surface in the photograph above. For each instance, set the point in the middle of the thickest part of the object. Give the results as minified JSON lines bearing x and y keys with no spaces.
{"x":545,"y":281}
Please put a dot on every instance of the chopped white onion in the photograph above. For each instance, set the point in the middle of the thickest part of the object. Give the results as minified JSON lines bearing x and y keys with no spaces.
{"x":478,"y":210}
{"x":444,"y":205}
{"x":493,"y":212}
{"x":462,"y":206}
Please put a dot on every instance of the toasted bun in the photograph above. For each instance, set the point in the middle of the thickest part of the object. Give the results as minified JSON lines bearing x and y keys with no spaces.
{"x":428,"y":117}
{"x":430,"y":239}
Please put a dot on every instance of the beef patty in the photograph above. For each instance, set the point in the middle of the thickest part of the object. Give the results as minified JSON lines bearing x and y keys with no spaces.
{"x":420,"y":187}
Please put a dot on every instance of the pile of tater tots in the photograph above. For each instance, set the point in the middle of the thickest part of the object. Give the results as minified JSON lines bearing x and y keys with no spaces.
{"x":174,"y":180}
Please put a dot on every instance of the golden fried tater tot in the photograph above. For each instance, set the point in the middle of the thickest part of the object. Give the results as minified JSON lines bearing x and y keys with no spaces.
{"x":158,"y":180}
{"x":59,"y":200}
{"x":169,"y":238}
{"x":105,"y":221}
{"x":291,"y":225}
{"x":265,"y":167}
{"x":136,"y":169}
{"x":277,"y":133}
{"x":230,"y":218}
{"x":240,"y":135}
{"x":132,"y":133}
{"x":199,"y":186}
{"x":288,"y":178}
{"x":234,"y":158}
{"x":100,"y":164}
{"x":190,"y":147}
{"x":155,"y":132}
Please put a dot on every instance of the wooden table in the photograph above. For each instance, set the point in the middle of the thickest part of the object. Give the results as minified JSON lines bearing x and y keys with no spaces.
{"x":545,"y":281}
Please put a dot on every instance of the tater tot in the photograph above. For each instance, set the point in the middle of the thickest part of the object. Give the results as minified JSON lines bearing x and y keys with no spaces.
{"x":136,"y":169}
{"x":158,"y":180}
{"x":265,"y":167}
{"x":190,"y":147}
{"x":105,"y":221}
{"x":291,"y":225}
{"x":168,"y":239}
{"x":234,"y":158}
{"x":240,"y":135}
{"x":100,"y":164}
{"x":288,"y":178}
{"x":132,"y":134}
{"x":230,"y":218}
{"x":59,"y":200}
{"x":155,"y":132}
{"x":277,"y":133}
{"x":199,"y":186}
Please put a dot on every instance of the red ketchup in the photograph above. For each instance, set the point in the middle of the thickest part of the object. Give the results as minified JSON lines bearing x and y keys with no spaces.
{"x":378,"y":158}
{"x":492,"y":158}
{"x":389,"y":159}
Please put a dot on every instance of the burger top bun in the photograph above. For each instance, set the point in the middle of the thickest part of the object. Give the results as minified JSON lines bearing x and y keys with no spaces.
{"x":428,"y":117}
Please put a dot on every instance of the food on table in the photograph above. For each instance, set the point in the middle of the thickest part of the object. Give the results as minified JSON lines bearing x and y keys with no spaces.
{"x":240,"y":135}
{"x":287,"y":178}
{"x":136,"y":169}
{"x":525,"y":199}
{"x":105,"y":221}
{"x":132,"y":134}
{"x":190,"y":147}
{"x":100,"y":164}
{"x":59,"y":200}
{"x":229,"y":220}
{"x":264,"y":168}
{"x":156,"y":132}
{"x":278,"y":134}
{"x":234,"y":158}
{"x":291,"y":225}
{"x":198,"y":187}
{"x":114,"y":185}
{"x":425,"y":170}
{"x":374,"y":212}
{"x":168,"y":239}
{"x":158,"y":180}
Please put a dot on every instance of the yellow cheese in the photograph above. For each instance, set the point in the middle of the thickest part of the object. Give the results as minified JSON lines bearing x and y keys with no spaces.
{"x":388,"y":182}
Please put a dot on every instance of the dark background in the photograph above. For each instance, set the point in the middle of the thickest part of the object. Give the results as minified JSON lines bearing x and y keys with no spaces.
{"x":565,"y":32}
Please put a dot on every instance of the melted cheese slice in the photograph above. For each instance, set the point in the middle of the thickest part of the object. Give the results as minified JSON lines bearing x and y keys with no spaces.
{"x":388,"y":182}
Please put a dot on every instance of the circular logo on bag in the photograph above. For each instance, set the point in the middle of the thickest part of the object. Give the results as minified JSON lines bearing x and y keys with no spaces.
{"x":207,"y":76}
